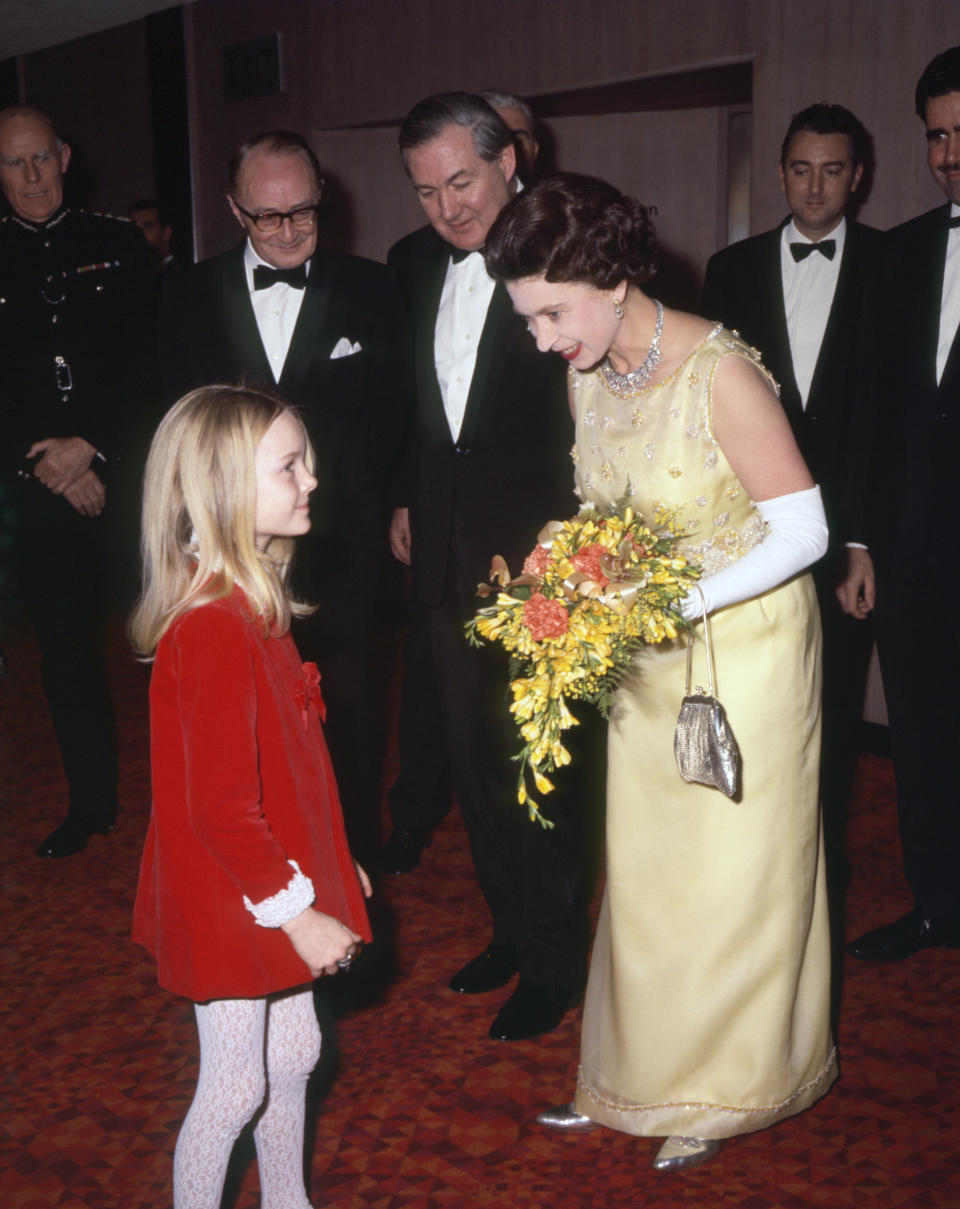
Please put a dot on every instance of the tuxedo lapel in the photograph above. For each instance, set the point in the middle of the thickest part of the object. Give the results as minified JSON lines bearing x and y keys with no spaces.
{"x":240,"y":323}
{"x":842,"y":320}
{"x":931,"y":263}
{"x":491,"y":355}
{"x":316,"y":332}
{"x":778,"y":351}
{"x":427,"y":305}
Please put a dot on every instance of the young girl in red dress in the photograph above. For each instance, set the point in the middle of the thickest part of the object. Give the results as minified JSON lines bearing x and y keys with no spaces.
{"x":247,"y":891}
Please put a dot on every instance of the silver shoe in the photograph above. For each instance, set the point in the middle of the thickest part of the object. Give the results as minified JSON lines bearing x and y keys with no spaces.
{"x":678,"y":1152}
{"x":566,"y":1118}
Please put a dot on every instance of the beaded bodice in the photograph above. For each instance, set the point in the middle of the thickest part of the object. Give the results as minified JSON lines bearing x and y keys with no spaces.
{"x":658,"y":449}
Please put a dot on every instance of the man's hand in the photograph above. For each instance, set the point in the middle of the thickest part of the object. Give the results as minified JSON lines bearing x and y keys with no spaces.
{"x":64,"y":460}
{"x":857,"y":591}
{"x":88,"y":495}
{"x":400,"y":535}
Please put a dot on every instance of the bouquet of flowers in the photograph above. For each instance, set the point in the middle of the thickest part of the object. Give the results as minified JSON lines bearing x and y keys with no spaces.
{"x":594,"y":589}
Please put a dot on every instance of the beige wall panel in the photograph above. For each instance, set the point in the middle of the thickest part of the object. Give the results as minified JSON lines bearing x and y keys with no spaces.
{"x":370,"y":203}
{"x":670,"y":160}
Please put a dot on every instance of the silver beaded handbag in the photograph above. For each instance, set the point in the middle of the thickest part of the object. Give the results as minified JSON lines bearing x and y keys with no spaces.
{"x":703,"y":742}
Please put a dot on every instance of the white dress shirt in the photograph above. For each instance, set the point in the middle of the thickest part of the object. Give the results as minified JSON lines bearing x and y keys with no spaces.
{"x":464,"y":302}
{"x":276,"y":310}
{"x":950,"y":298}
{"x":808,"y":289}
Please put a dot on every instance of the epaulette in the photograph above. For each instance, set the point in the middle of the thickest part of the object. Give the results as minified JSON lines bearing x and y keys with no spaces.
{"x":112,"y":217}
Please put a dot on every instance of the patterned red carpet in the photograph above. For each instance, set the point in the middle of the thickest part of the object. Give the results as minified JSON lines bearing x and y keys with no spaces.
{"x":424,"y":1111}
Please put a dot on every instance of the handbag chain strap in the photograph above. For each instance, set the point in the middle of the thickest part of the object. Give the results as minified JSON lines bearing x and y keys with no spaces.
{"x":709,"y":648}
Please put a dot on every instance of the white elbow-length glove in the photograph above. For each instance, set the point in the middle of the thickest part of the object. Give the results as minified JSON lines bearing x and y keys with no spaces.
{"x":796,"y":537}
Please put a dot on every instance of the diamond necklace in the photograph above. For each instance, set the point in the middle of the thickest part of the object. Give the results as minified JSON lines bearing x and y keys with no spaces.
{"x":632,"y":383}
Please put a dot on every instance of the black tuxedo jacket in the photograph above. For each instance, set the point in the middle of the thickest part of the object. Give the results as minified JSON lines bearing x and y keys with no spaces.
{"x":355,"y":407}
{"x":912,"y":492}
{"x":744,"y":289}
{"x":509,"y":472}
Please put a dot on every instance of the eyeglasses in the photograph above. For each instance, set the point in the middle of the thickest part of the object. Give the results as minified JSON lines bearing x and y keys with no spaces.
{"x":268,"y":221}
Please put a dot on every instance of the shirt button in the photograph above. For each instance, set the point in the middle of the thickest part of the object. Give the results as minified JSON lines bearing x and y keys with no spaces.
{"x":54,"y":318}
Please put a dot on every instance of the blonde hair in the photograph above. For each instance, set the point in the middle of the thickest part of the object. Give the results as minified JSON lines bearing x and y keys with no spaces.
{"x":199,"y":507}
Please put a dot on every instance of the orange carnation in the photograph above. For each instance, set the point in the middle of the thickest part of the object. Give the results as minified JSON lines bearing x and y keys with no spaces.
{"x":587,"y":561}
{"x":545,"y":618}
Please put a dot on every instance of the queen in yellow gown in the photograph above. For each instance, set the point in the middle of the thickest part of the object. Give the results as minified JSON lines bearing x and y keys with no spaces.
{"x":707,"y":1006}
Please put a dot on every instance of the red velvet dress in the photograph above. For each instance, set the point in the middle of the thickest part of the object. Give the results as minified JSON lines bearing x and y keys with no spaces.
{"x":242,"y":782}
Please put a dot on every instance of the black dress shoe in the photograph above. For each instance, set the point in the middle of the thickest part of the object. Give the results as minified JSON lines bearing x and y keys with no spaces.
{"x":72,"y":836}
{"x":531,"y":1009}
{"x":904,"y":937}
{"x":494,"y":968}
{"x":402,"y":851}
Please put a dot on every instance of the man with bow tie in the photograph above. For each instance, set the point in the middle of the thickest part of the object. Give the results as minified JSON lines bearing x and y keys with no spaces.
{"x":491,"y":466}
{"x":798,"y":293}
{"x":909,"y":569}
{"x":326,"y":330}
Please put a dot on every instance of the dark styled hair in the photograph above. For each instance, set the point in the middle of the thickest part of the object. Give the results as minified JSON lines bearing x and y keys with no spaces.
{"x":150,"y":203}
{"x":824,"y":118}
{"x":940,"y":76}
{"x":275,"y":142}
{"x":429,"y":117}
{"x":568,"y":227}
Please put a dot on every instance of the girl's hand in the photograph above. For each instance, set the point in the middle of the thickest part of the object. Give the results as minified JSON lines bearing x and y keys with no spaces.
{"x":321,"y":941}
{"x":364,"y":879}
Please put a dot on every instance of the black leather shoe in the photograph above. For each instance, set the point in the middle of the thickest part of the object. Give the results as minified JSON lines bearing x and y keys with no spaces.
{"x":402,"y":851}
{"x":72,"y":836}
{"x":531,"y":1009}
{"x":494,"y":968}
{"x":904,"y":937}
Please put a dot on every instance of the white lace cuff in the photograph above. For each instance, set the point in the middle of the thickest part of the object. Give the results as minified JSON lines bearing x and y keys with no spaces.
{"x":286,"y":904}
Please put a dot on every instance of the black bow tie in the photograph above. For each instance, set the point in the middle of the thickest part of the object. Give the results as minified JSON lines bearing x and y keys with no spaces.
{"x":264,"y":277}
{"x":801,"y":251}
{"x":458,"y":255}
{"x":953,"y":221}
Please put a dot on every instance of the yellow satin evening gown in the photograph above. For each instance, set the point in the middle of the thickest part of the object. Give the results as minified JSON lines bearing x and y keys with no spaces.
{"x":707,"y":1007}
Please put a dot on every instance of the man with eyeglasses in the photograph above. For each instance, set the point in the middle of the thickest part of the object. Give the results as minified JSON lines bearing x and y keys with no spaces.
{"x":325,"y":330}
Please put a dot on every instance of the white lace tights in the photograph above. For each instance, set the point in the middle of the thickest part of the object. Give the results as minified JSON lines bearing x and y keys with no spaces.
{"x":238,"y":1037}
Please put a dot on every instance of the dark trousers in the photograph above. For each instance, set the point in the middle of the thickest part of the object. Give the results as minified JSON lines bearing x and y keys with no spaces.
{"x":533,"y":879}
{"x":847,"y":643}
{"x":919,"y":650}
{"x":421,"y":795}
{"x":66,"y":569}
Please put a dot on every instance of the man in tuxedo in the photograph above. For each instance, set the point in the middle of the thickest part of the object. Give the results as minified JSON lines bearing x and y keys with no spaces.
{"x":798,"y":293}
{"x":326,"y":331}
{"x":420,"y":796}
{"x":491,"y":467}
{"x":909,"y":567}
{"x":77,"y":382}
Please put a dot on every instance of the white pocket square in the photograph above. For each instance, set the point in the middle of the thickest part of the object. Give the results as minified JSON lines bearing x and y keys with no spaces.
{"x":343,"y":348}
